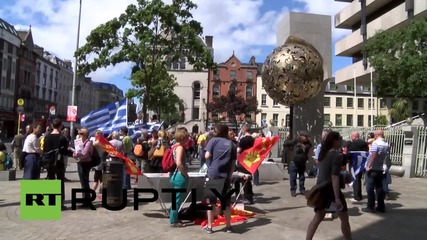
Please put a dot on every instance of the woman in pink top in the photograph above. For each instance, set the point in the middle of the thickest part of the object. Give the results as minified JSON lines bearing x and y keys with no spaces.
{"x":82,"y":154}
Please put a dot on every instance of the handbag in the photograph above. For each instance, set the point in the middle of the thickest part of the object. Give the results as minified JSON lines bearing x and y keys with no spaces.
{"x":50,"y":158}
{"x":159,"y":152}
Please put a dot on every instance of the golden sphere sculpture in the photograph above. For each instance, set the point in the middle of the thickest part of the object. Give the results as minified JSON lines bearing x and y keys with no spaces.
{"x":293,"y":73}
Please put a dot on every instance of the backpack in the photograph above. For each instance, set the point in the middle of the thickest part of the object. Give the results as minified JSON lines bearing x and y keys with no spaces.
{"x":138,"y":150}
{"x":168,"y":162}
{"x":8,"y":164}
{"x":94,"y":156}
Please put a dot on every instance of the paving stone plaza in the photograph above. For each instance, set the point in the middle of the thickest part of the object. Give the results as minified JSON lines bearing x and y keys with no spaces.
{"x":278,"y":216}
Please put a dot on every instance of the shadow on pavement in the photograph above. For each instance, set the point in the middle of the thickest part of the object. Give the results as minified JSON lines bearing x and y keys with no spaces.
{"x":262,"y":200}
{"x":250,"y":225}
{"x":396,"y":223}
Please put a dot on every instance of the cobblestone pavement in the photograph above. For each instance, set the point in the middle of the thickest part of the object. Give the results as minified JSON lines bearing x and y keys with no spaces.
{"x":279,"y":216}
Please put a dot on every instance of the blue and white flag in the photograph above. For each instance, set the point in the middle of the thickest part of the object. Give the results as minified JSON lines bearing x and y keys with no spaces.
{"x":136,"y":130}
{"x":107,"y":119}
{"x":358,"y":159}
{"x":263,"y":123}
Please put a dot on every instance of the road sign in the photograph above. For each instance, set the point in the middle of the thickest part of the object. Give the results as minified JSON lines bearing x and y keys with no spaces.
{"x":20,"y":109}
{"x":20,"y":102}
{"x":72,"y":113}
{"x":52,"y":110}
{"x":23,"y":118}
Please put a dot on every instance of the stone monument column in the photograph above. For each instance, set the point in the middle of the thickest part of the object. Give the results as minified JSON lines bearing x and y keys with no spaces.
{"x":316,"y":30}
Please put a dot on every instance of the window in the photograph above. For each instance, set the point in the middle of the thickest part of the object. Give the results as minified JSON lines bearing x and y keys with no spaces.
{"x":349,"y":102}
{"x":338,"y":120}
{"x":249,"y":75}
{"x":276,"y":119}
{"x":195,"y":113}
{"x":349,"y":120}
{"x":369,"y":121}
{"x":360,"y":103}
{"x":263,"y":116}
{"x":415,"y":106}
{"x":382,"y":103}
{"x":327,"y":119}
{"x":327,"y":102}
{"x":232,"y":74}
{"x":349,"y":88}
{"x":338,"y":102}
{"x":264,"y":100}
{"x":360,"y":120}
{"x":288,"y":120}
{"x":233,"y":87}
{"x":366,"y":89}
{"x":215,"y":90}
{"x":370,"y":102}
{"x":275,"y":103}
{"x":182,"y":66}
{"x":249,"y":91}
{"x":332,"y":86}
{"x":196,"y":91}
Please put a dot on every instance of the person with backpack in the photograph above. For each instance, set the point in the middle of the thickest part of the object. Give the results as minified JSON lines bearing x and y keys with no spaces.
{"x":178,"y":172}
{"x":55,"y":147}
{"x":140,"y":152}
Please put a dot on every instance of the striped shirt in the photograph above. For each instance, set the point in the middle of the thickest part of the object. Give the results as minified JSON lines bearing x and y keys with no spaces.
{"x":382,"y":149}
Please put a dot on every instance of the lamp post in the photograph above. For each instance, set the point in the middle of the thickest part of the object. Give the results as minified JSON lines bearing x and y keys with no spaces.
{"x":73,"y":89}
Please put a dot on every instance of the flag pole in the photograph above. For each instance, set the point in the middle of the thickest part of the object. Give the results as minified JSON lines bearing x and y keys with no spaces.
{"x":73,"y":91}
{"x":372,"y":99}
{"x":355,"y":104}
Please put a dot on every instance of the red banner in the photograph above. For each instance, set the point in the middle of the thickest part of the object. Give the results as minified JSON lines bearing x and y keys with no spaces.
{"x":251,"y":158}
{"x":103,"y":143}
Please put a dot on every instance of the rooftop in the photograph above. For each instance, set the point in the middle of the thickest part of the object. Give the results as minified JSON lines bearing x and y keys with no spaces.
{"x":8,"y":27}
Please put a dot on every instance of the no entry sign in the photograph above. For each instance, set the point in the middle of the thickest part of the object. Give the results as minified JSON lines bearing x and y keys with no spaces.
{"x":72,"y":113}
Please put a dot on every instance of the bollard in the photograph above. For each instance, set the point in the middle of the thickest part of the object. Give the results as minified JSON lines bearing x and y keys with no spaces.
{"x":397,"y":171}
{"x":112,"y":181}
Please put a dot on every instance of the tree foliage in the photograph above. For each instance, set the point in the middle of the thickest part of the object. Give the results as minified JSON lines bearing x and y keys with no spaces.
{"x":399,"y":58}
{"x":400,"y":110}
{"x":233,"y":104}
{"x":150,"y":34}
{"x":380,"y":120}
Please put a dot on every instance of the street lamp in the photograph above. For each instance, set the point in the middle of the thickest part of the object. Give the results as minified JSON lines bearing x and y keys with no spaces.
{"x":73,"y":90}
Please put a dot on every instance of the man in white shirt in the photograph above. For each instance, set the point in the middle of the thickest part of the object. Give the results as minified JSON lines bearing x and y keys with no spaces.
{"x":32,"y":150}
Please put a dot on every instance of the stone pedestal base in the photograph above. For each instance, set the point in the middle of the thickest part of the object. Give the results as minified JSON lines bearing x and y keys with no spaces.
{"x":8,"y":175}
{"x":271,"y":172}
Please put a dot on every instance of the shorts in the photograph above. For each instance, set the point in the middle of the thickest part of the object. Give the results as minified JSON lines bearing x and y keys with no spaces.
{"x":222,"y":188}
{"x":97,"y":177}
{"x":329,"y":198}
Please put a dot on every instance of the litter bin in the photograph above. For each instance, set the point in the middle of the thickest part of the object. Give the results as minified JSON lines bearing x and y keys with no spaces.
{"x":112,"y":181}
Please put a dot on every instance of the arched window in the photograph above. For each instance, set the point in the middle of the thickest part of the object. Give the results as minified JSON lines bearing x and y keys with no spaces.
{"x":196,"y":90}
{"x":233,"y":87}
{"x":215,"y":90}
{"x":249,"y":91}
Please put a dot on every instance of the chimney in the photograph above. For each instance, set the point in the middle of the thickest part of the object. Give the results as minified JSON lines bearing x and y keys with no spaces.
{"x":252,"y":61}
{"x":209,"y":41}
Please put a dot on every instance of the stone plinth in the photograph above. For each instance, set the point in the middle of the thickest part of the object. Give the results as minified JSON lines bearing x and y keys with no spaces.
{"x":8,"y":175}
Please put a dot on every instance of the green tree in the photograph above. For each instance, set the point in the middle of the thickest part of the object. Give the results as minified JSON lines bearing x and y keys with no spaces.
{"x":400,"y":110}
{"x":233,"y":104}
{"x":380,"y":120}
{"x":150,"y":34}
{"x":399,"y":58}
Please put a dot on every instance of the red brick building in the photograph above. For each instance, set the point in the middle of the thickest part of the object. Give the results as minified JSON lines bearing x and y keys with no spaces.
{"x":236,"y":76}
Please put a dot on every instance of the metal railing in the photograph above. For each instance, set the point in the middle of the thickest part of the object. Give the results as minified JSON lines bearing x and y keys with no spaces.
{"x":421,"y":154}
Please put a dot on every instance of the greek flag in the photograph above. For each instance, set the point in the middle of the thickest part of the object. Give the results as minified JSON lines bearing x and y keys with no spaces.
{"x":359,"y":159}
{"x":136,"y":130}
{"x":107,"y":119}
{"x":263,"y":123}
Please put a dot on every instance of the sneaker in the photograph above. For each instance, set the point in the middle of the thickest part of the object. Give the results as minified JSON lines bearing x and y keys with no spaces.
{"x":293,"y":194}
{"x":229,"y":229}
{"x":208,"y":230}
{"x":354,"y":200}
{"x":328,"y":216}
{"x":368,"y":210}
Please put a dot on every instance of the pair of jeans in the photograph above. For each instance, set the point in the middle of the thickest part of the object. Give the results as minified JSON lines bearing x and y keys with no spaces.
{"x":31,"y":167}
{"x":57,"y":171}
{"x":297,"y":170}
{"x":202,"y":158}
{"x":177,"y":181}
{"x":386,"y":182}
{"x":83,"y":169}
{"x":256,"y":177}
{"x":357,"y":187}
{"x":126,"y":178}
{"x":375,"y":190}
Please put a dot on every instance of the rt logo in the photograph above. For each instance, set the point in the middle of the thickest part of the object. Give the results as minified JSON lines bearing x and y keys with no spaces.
{"x":40,"y":199}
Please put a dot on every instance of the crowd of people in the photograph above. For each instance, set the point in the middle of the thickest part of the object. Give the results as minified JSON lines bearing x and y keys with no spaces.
{"x":217,"y":150}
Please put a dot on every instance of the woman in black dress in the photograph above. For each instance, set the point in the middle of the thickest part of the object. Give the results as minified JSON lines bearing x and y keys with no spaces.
{"x":330,"y":165}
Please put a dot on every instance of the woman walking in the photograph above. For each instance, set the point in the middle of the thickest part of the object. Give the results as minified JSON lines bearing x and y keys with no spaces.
{"x":330,"y":162}
{"x":179,"y":176}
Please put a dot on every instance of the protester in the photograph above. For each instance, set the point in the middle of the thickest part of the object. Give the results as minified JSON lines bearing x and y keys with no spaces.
{"x":330,"y":162}
{"x":3,"y":156}
{"x":55,"y":148}
{"x":97,"y":177}
{"x":83,"y":156}
{"x":222,"y":154}
{"x":32,"y":154}
{"x":66,"y":133}
{"x":245,"y":142}
{"x":127,"y":151}
{"x":356,"y":144}
{"x":17,"y":144}
{"x":179,"y":176}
